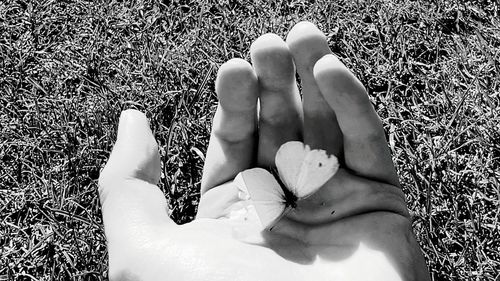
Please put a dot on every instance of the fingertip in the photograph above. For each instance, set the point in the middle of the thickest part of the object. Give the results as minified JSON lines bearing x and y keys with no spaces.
{"x":330,"y":68}
{"x":338,"y":84}
{"x":132,"y":122}
{"x":307,"y":44}
{"x":304,"y":31}
{"x":273,"y":62}
{"x":326,"y":63}
{"x":235,"y":65}
{"x":235,"y":70}
{"x":135,"y":153}
{"x":237,"y":85}
{"x":132,"y":113}
{"x":265,"y":42}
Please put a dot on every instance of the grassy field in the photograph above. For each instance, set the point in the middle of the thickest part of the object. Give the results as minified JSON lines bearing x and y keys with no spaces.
{"x":67,"y":69}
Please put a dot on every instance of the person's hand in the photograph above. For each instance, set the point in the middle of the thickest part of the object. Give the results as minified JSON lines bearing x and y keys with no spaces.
{"x":356,"y":227}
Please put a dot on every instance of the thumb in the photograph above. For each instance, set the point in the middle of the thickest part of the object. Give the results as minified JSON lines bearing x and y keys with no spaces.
{"x":135,"y":154}
{"x":132,"y":204}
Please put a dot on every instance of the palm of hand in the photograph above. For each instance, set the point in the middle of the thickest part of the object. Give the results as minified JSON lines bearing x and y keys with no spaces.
{"x":298,"y":248}
{"x":311,"y":243}
{"x":353,"y":228}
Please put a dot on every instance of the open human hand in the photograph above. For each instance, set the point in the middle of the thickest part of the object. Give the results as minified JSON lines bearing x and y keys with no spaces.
{"x":355,"y":227}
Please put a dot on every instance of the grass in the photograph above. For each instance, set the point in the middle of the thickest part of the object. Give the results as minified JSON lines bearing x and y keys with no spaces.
{"x":67,"y":69}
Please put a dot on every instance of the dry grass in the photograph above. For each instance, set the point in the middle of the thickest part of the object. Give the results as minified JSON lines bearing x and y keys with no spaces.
{"x":67,"y":69}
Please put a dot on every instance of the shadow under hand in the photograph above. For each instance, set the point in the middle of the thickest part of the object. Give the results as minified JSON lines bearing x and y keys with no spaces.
{"x":379,"y":243}
{"x":301,"y":252}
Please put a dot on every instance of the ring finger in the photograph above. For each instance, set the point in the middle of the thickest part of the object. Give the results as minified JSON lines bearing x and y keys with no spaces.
{"x":308,"y":44}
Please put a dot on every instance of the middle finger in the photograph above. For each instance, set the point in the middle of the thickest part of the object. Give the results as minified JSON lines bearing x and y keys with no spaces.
{"x":280,"y":116}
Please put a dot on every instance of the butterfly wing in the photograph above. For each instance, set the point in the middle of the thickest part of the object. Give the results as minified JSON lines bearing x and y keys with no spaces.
{"x":317,"y":168}
{"x":289,"y":159}
{"x":264,"y":192}
{"x":304,"y":170}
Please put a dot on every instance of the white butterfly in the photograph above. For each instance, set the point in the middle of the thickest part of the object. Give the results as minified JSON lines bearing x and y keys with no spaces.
{"x":302,"y":170}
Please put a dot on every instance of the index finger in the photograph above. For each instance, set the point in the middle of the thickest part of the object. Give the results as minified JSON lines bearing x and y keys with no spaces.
{"x":232,"y":141}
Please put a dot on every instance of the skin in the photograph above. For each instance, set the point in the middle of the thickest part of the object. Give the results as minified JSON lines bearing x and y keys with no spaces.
{"x":356,"y":227}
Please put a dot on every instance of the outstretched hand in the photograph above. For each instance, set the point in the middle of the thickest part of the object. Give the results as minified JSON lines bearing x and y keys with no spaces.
{"x":356,"y":227}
